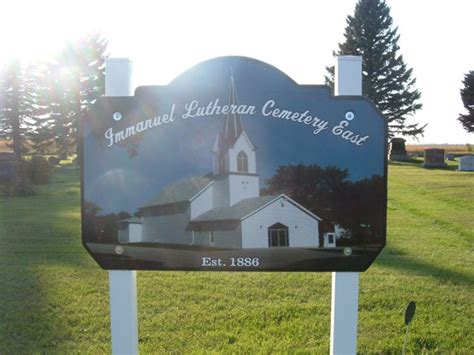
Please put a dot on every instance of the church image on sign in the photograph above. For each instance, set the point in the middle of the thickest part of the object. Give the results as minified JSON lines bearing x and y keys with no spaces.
{"x":224,"y":209}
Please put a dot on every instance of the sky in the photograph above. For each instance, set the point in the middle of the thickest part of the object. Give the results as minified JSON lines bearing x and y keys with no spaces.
{"x":165,"y":38}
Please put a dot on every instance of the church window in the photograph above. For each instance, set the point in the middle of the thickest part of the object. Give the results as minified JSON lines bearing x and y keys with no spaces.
{"x":221,"y":164}
{"x":278,"y":235}
{"x":242,"y":162}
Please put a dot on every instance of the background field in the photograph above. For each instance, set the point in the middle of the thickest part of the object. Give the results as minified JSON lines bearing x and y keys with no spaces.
{"x":458,"y":149}
{"x":53,"y":298}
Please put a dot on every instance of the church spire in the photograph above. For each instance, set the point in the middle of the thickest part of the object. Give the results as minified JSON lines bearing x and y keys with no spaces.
{"x":229,"y":158}
{"x":232,"y":122}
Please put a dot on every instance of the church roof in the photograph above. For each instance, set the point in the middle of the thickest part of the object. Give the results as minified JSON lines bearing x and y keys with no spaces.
{"x":180,"y":191}
{"x":241,"y":210}
{"x":132,"y":220}
{"x":237,"y":211}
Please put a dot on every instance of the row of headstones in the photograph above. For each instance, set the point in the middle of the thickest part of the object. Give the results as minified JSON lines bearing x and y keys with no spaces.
{"x":434,"y":157}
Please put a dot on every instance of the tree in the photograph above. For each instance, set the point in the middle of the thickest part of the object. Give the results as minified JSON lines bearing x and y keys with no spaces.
{"x":387,"y":80}
{"x":78,"y":79}
{"x":357,"y":206}
{"x":16,"y":102}
{"x":42,"y":137}
{"x":467,"y":96}
{"x":314,"y":187}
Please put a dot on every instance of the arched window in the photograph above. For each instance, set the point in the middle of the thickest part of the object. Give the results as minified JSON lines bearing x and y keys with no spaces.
{"x":242,"y":162}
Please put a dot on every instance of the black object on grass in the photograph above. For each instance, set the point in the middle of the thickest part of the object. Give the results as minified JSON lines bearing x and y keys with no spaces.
{"x":409,"y":314}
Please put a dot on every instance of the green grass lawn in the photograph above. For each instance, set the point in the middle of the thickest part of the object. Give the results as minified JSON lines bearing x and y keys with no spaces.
{"x":54,"y":299}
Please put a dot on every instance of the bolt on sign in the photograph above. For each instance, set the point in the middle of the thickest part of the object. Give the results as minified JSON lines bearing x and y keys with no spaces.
{"x":233,"y":166}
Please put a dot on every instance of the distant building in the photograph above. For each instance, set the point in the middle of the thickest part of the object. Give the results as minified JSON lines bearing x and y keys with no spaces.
{"x":224,"y":209}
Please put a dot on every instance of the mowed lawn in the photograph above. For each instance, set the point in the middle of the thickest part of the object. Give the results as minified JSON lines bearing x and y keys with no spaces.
{"x":54,"y":299}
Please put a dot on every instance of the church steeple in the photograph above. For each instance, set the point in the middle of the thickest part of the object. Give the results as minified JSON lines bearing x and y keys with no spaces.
{"x":232,"y":122}
{"x":233,"y":150}
{"x":235,"y":161}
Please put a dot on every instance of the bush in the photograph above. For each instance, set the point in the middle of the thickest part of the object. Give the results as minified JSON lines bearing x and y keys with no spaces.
{"x":39,"y":170}
{"x":20,"y":184}
{"x":36,"y":171}
{"x":54,"y":161}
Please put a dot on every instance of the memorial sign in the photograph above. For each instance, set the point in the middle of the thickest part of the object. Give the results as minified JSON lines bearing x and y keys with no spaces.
{"x":233,"y":167}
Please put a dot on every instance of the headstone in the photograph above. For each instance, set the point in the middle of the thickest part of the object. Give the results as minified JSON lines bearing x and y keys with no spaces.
{"x":434,"y":158}
{"x":450,"y":157}
{"x":397,"y":150}
{"x":8,"y":166}
{"x":466,"y":163}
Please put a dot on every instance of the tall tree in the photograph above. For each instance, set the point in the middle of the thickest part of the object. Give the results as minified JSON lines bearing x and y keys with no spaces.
{"x":78,"y":79}
{"x":467,"y":96}
{"x":387,"y":80}
{"x":42,"y":136}
{"x":17,"y":98}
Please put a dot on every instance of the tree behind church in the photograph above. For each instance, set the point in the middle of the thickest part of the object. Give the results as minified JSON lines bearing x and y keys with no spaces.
{"x":387,"y":80}
{"x":467,"y":96}
{"x":357,"y":206}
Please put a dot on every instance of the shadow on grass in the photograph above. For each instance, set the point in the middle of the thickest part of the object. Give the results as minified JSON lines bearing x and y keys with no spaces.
{"x":422,"y":268}
{"x":39,"y":249}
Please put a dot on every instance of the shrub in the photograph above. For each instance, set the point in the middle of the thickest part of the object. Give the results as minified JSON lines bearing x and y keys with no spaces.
{"x":54,"y":161}
{"x":39,"y":170}
{"x":20,"y":184}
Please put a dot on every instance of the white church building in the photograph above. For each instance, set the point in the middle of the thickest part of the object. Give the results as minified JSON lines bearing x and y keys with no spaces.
{"x":224,"y":209}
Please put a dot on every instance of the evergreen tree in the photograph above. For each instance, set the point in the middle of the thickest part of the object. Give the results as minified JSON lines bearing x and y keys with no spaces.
{"x":78,"y":79}
{"x":17,"y":99}
{"x":387,"y":80}
{"x":467,"y":96}
{"x":42,"y":137}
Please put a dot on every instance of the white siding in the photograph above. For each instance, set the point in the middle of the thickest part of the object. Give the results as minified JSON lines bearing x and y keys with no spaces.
{"x":222,"y":239}
{"x":242,"y":144}
{"x":135,"y":233}
{"x":302,"y":228}
{"x":242,"y":187}
{"x":221,"y":192}
{"x":202,"y":203}
{"x":131,"y":234}
{"x":166,"y":229}
{"x":123,"y":235}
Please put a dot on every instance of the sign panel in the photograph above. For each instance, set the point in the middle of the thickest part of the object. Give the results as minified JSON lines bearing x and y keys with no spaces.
{"x":234,"y":167}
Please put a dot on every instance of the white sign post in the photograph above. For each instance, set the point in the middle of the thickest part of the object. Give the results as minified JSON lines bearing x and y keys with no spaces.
{"x":345,"y":285}
{"x":122,"y":284}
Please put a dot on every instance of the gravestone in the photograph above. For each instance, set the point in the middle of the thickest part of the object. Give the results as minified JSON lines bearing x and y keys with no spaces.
{"x":397,"y":150}
{"x":434,"y":158}
{"x":466,"y":163}
{"x":450,"y":157}
{"x":8,"y":166}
